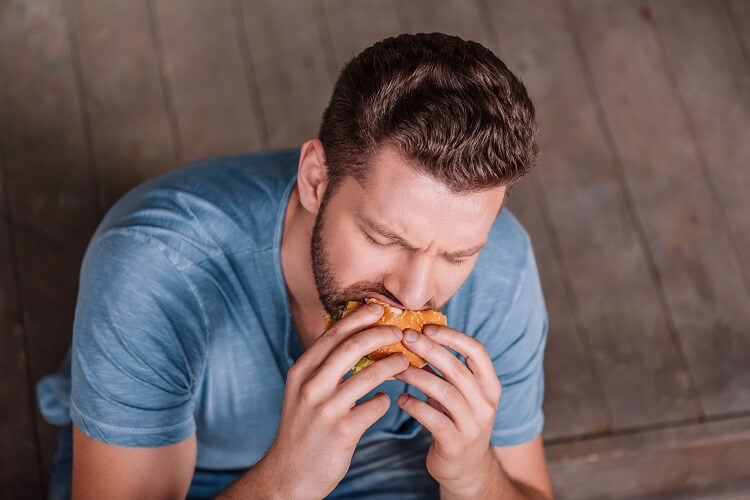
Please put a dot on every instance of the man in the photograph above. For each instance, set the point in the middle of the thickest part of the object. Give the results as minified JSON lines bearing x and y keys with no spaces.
{"x":200,"y":362}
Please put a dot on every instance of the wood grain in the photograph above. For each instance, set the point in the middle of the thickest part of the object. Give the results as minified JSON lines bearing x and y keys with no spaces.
{"x":706,"y":63}
{"x":355,"y":25}
{"x":453,"y":17}
{"x":52,"y":193}
{"x":126,"y":100}
{"x":697,"y":266}
{"x":20,"y":472}
{"x":574,"y":402}
{"x":641,"y":374}
{"x":738,"y":12}
{"x":684,"y":459}
{"x":215,"y":94}
{"x":292,"y":66}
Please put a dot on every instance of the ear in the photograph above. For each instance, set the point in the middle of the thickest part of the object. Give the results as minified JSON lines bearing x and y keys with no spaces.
{"x":312,"y":175}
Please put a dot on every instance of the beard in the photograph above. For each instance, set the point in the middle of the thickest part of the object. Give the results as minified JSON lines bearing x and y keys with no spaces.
{"x":330,"y":291}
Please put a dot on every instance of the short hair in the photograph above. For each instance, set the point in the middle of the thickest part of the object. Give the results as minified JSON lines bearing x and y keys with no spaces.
{"x":448,"y":106}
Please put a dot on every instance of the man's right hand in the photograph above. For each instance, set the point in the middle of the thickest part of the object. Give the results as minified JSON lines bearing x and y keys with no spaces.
{"x":320,"y":423}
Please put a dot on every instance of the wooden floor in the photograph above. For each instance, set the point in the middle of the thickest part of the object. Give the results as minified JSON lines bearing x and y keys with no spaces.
{"x":639,"y":209}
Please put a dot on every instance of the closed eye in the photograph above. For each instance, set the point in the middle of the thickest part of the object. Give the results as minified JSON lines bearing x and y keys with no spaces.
{"x":456,"y":262}
{"x":373,"y":241}
{"x":377,"y":243}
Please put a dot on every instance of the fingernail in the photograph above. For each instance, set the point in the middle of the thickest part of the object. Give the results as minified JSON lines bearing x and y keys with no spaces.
{"x":374,"y":308}
{"x":410,"y":335}
{"x":429,"y":330}
{"x":402,"y":399}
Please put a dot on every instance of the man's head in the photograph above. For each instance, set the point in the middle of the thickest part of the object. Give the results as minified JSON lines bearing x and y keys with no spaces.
{"x":423,"y":138}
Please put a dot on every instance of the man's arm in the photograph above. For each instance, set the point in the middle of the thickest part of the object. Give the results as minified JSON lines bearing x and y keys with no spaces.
{"x":526,"y":466}
{"x":511,"y":473}
{"x":103,"y":470}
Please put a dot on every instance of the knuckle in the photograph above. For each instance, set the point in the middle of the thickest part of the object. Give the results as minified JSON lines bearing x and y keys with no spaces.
{"x":332,"y":331}
{"x":351,"y":346}
{"x":374,"y":375}
{"x":295,"y":372}
{"x":498,"y":393}
{"x":343,"y":428}
{"x":472,"y":433}
{"x":452,"y":371}
{"x":397,"y":361}
{"x":307,"y":394}
{"x":328,"y":413}
{"x":443,"y":424}
{"x":487,"y":413}
{"x":449,"y":392}
{"x":474,"y":345}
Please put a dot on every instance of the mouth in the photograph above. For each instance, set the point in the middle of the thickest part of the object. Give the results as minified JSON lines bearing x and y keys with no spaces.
{"x":384,"y":299}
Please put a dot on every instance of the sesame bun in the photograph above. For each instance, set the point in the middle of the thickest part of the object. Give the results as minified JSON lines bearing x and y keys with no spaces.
{"x":397,"y":317}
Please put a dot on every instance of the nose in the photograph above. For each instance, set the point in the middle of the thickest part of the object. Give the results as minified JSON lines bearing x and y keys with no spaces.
{"x":411,"y":283}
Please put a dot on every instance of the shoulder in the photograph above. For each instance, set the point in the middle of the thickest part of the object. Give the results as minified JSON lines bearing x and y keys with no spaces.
{"x":209,"y":207}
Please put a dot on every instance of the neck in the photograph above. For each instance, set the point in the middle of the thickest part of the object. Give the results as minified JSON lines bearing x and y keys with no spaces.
{"x":307,"y":311}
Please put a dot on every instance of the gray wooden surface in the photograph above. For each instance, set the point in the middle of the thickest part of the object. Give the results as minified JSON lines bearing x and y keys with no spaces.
{"x":638,"y":209}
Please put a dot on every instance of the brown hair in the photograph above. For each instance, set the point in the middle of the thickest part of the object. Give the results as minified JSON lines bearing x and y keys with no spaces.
{"x":449,"y":106}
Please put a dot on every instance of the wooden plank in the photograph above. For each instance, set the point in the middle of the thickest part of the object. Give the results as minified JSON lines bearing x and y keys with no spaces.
{"x":739,"y":14}
{"x":214,"y":93}
{"x":684,"y":459}
{"x":355,"y":25}
{"x":20,"y":473}
{"x":573,"y":401}
{"x":696,"y":263}
{"x":48,"y":178}
{"x":706,"y":63}
{"x":46,"y":170}
{"x":292,"y":66}
{"x":453,"y":17}
{"x":49,"y":287}
{"x":616,"y":301}
{"x":125,"y":99}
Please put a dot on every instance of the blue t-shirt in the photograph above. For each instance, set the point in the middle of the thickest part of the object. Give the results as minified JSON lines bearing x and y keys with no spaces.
{"x":183,"y":324}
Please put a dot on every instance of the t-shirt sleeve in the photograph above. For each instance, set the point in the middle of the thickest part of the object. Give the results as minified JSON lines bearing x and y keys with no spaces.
{"x":138,"y":345}
{"x":504,"y":309}
{"x":519,"y":365}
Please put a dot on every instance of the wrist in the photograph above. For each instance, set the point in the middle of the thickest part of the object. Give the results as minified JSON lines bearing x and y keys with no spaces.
{"x":480,"y":484}
{"x":260,"y":481}
{"x":283,"y":482}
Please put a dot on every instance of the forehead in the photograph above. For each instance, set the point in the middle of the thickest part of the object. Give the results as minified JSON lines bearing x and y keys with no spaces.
{"x":398,"y":193}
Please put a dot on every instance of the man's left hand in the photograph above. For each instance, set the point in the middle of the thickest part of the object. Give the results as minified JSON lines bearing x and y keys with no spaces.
{"x":460,"y":408}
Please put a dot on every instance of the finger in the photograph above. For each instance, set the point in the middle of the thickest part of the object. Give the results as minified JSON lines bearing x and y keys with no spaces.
{"x":365,"y":414}
{"x":453,"y":370}
{"x":442,"y":392}
{"x":362,"y":382}
{"x":431,"y":401}
{"x":436,"y":405}
{"x":351,"y":350}
{"x":354,"y":322}
{"x":477,"y":359}
{"x":441,"y":427}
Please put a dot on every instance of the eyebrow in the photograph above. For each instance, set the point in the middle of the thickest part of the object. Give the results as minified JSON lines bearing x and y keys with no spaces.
{"x":388,"y":233}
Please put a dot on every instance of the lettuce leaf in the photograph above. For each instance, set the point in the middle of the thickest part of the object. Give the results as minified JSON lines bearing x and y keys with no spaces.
{"x":362,"y":363}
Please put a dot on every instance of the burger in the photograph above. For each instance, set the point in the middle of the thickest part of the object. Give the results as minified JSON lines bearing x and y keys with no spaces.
{"x":402,"y":318}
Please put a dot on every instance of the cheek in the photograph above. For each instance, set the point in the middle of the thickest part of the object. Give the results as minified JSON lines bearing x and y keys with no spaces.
{"x":358,"y":260}
{"x":355,"y":260}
